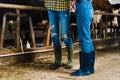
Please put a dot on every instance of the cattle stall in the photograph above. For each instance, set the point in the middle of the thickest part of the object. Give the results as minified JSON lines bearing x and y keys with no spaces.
{"x":18,"y":15}
{"x":105,"y":29}
{"x":27,"y":55}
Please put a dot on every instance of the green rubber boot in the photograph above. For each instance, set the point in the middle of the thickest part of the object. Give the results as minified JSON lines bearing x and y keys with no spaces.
{"x":69,"y":64}
{"x":58,"y":58}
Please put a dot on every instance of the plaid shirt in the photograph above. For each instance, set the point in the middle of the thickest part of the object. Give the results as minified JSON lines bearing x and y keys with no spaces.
{"x":57,"y":5}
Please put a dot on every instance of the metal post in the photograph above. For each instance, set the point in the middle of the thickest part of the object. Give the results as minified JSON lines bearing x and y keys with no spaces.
{"x":3,"y":31}
{"x":18,"y":28}
{"x":32,"y":32}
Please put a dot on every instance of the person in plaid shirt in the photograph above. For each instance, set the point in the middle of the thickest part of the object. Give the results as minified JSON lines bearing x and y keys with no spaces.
{"x":59,"y":21}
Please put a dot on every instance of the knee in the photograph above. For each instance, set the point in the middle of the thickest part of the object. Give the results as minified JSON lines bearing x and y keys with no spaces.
{"x":54,"y":37}
{"x":65,"y":37}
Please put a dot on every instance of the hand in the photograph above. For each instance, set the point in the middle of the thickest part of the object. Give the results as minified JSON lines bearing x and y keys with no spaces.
{"x":72,"y":6}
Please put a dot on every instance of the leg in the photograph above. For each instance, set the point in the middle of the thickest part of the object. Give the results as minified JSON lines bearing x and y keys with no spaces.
{"x":65,"y":29}
{"x":84,"y":18}
{"x":54,"y":26}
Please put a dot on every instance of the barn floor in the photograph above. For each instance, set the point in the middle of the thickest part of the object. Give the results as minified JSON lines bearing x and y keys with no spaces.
{"x":107,"y":67}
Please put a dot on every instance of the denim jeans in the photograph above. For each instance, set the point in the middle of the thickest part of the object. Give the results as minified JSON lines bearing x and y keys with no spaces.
{"x":84,"y":14}
{"x":59,"y":23}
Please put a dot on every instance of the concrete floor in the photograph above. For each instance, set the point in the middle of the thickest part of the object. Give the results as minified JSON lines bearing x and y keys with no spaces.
{"x":107,"y":67}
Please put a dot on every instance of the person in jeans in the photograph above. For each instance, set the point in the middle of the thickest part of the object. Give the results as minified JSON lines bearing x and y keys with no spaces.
{"x":59,"y":21}
{"x":84,"y":15}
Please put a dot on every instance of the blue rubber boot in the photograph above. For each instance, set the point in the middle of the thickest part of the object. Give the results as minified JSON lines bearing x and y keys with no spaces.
{"x":92,"y":62}
{"x":84,"y":65}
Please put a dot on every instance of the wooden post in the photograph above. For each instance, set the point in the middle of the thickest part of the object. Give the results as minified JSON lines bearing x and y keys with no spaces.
{"x":47,"y":42}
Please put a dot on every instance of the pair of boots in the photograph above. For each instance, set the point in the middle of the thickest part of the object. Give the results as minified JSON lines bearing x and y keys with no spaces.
{"x":58,"y":58}
{"x":87,"y":61}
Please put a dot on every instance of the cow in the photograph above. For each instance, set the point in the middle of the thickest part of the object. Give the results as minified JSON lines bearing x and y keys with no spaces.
{"x":36,"y":15}
{"x":96,"y":25}
{"x":115,"y":24}
{"x":102,"y":5}
{"x":102,"y":25}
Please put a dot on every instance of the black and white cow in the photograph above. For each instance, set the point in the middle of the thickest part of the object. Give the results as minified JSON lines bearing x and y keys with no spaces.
{"x":96,"y":25}
{"x":116,"y":21}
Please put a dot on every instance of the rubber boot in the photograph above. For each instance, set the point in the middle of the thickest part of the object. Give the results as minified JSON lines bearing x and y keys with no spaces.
{"x":69,"y":64}
{"x":58,"y":58}
{"x":84,"y":65}
{"x":92,"y":62}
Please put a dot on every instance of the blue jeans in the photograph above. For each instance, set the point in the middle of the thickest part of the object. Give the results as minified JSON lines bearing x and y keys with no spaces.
{"x":59,"y":22}
{"x":84,"y":14}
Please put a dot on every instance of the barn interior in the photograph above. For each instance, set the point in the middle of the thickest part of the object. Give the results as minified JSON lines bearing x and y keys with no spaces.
{"x":24,"y":26}
{"x":26,"y":46}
